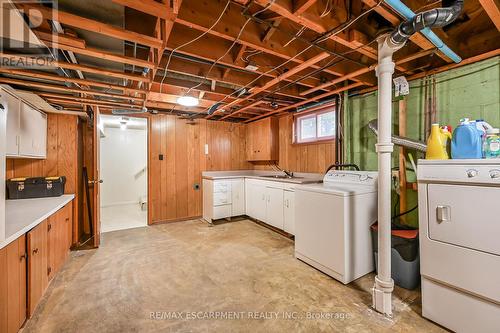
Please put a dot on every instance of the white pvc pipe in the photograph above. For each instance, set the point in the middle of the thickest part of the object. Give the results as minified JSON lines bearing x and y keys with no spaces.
{"x":384,"y":285}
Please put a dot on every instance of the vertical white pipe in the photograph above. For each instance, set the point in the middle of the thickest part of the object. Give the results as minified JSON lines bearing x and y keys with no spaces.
{"x":384,"y":285}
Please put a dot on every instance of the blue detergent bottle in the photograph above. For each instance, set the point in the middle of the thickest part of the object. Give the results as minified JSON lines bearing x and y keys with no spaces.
{"x":467,"y":141}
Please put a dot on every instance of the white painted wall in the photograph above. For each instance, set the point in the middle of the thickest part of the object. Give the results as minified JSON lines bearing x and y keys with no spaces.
{"x":123,"y":156}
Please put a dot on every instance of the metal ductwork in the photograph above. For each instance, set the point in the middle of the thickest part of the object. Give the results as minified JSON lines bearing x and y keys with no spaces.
{"x":434,"y":18}
{"x":399,"y":140}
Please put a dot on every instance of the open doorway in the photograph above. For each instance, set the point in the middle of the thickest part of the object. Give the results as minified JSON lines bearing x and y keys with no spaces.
{"x":123,"y":169}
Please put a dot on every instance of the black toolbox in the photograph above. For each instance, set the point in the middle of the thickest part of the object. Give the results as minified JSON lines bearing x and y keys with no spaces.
{"x":36,"y":187}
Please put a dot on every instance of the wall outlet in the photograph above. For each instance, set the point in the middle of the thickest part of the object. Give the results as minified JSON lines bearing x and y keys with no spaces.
{"x":206,"y":148}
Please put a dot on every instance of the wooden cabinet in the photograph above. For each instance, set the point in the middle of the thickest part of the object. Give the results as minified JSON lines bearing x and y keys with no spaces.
{"x":13,"y":286}
{"x":38,"y":277}
{"x":262,"y":140}
{"x":59,"y":239}
{"x":28,"y":264}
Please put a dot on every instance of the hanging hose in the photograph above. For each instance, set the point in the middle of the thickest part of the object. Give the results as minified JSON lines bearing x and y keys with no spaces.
{"x":434,"y":18}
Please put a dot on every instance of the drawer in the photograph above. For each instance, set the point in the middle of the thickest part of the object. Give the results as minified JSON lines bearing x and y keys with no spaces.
{"x":221,"y":212}
{"x":222,"y":187}
{"x":222,"y":198}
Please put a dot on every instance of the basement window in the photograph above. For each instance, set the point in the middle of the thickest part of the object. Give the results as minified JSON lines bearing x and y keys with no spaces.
{"x":316,"y":126}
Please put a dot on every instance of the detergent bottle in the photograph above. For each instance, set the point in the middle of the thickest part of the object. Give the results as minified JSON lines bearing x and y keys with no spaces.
{"x":491,"y":146}
{"x":436,"y":143}
{"x":467,"y":141}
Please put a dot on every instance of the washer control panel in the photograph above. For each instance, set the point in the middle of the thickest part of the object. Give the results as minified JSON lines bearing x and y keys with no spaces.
{"x":351,"y":177}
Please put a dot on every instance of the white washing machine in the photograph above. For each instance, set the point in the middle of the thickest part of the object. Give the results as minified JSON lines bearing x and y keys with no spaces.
{"x":459,"y":212}
{"x":332,"y":226}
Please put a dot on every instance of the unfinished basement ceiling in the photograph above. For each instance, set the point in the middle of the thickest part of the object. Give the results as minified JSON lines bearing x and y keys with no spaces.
{"x":242,"y":59}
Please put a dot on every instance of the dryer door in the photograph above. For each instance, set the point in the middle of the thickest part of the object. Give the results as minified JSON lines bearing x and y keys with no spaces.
{"x":467,"y":216}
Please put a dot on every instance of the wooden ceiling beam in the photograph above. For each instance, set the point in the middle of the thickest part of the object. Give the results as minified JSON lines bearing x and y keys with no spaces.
{"x":206,"y":50}
{"x":150,"y":7}
{"x":491,"y":7}
{"x":366,"y":70}
{"x":96,"y":53}
{"x":256,"y":90}
{"x":87,"y":69}
{"x":48,"y":36}
{"x":444,"y":68}
{"x":58,"y":78}
{"x":270,"y":31}
{"x":94,"y":26}
{"x":195,"y":18}
{"x":33,"y":84}
{"x":296,"y":105}
{"x":300,"y":6}
{"x":239,"y":79}
{"x":243,"y":109}
{"x":81,"y":100}
{"x":283,"y":9}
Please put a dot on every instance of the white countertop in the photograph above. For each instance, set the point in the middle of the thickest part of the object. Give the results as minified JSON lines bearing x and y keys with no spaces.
{"x":302,"y":177}
{"x":23,"y":215}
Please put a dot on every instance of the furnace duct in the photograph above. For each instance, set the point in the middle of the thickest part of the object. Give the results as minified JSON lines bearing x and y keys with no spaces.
{"x":399,"y":140}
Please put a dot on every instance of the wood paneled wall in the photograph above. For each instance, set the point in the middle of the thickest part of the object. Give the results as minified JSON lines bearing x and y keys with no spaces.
{"x":62,"y":158}
{"x":312,"y":157}
{"x":172,"y":181}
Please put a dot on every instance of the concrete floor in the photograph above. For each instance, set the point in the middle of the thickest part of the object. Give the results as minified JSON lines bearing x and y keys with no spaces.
{"x":179,"y":268}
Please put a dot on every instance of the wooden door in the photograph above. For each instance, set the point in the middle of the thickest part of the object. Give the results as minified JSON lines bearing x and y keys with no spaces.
{"x":37,"y":265}
{"x":96,"y":217}
{"x":13,"y":286}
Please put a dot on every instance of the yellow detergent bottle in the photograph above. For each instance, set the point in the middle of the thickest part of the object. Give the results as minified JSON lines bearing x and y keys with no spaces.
{"x":436,"y":143}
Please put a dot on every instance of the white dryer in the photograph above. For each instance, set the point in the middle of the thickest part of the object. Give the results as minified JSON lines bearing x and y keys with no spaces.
{"x":459,"y":213}
{"x":332,"y":226}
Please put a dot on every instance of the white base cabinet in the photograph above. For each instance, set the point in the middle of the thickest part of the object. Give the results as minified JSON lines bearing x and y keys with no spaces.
{"x":289,"y":211}
{"x":272,"y":203}
{"x":267,"y":201}
{"x":223,"y":198}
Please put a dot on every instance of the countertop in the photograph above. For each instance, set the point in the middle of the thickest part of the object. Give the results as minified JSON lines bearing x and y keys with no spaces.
{"x":23,"y":215}
{"x":302,"y":178}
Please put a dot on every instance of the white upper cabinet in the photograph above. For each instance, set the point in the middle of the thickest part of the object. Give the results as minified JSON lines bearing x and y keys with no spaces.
{"x":33,"y":137}
{"x":26,"y":134}
{"x":12,"y":106}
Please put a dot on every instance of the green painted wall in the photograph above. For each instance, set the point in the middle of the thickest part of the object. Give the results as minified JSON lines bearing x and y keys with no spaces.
{"x":471,"y":91}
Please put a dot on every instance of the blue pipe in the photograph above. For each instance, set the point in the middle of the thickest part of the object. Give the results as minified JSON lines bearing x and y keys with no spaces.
{"x":408,"y":14}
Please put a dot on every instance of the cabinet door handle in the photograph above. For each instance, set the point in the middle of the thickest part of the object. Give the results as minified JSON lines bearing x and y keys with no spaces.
{"x":35,"y":251}
{"x":23,"y":256}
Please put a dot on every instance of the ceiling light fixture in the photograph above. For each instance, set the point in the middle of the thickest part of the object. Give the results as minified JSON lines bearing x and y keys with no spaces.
{"x":187,"y":101}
